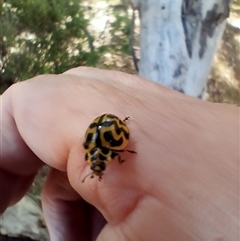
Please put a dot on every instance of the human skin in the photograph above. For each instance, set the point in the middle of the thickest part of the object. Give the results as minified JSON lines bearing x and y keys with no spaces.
{"x":181,"y":185}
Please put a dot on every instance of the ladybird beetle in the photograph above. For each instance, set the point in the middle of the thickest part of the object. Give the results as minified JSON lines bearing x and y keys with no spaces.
{"x":105,"y":138}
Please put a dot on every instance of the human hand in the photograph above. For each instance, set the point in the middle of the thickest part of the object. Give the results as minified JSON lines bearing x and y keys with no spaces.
{"x":181,"y":185}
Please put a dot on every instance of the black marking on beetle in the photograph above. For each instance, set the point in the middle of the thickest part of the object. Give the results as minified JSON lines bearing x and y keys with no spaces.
{"x":163,"y":7}
{"x":109,"y":138}
{"x":86,"y":156}
{"x":117,"y":142}
{"x":118,"y":131}
{"x":107,"y":134}
{"x":101,"y":165}
{"x":98,"y":139}
{"x":112,"y":116}
{"x":85,"y":145}
{"x":93,"y":125}
{"x":88,"y":140}
{"x":101,"y":119}
{"x":105,"y":151}
{"x":102,"y":157}
{"x":115,"y":123}
{"x":126,"y":134}
{"x":116,"y":127}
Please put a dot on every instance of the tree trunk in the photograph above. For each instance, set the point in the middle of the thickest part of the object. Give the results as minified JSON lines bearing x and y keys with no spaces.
{"x":178,"y":40}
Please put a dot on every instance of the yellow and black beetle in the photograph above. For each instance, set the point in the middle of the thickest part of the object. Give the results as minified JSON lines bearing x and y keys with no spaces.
{"x":105,"y":138}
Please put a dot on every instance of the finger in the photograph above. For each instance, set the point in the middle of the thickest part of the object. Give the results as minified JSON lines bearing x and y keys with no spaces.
{"x":122,"y":80}
{"x":16,"y":156}
{"x":67,"y":215}
{"x":12,"y":188}
{"x":80,"y":100}
{"x":18,"y":162}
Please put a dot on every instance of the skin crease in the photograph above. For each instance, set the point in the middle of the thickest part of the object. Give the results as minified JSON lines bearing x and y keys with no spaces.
{"x":181,"y":185}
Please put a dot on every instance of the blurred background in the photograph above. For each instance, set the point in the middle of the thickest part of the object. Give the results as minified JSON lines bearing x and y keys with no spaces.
{"x":43,"y":36}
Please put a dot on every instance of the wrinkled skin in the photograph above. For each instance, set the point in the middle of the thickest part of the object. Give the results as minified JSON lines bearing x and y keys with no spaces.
{"x":181,"y":185}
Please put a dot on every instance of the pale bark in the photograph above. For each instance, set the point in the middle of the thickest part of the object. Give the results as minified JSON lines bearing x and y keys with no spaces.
{"x":178,"y":40}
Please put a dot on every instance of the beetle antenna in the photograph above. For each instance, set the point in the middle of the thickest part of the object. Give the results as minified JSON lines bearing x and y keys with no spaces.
{"x":91,"y":173}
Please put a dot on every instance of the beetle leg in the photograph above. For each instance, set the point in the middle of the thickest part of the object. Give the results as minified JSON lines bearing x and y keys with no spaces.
{"x":133,"y":152}
{"x":114,"y":154}
{"x":126,"y":118}
{"x":91,"y":174}
{"x":120,"y":161}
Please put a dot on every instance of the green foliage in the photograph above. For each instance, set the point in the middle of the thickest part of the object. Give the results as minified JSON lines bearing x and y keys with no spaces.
{"x":51,"y":36}
{"x":121,"y":28}
{"x":43,"y":36}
